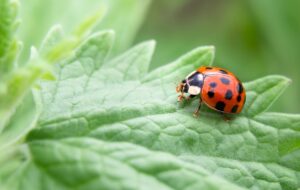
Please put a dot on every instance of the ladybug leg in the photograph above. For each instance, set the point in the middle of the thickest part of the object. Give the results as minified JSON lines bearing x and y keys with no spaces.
{"x":226,"y":117}
{"x":196,"y":112}
{"x":179,"y":90}
{"x":179,"y":87}
{"x":180,"y":97}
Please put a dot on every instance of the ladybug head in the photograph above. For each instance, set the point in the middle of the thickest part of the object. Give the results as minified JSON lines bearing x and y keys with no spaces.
{"x":182,"y":87}
{"x":192,"y":84}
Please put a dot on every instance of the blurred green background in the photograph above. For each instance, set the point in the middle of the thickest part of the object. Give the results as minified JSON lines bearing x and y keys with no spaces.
{"x":252,"y":38}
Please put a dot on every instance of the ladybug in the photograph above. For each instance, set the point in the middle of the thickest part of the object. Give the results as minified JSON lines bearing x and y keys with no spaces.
{"x":218,"y":88}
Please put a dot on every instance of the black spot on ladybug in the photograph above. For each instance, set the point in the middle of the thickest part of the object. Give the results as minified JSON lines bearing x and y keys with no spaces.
{"x":213,"y":84}
{"x":234,"y":108}
{"x":240,"y":88}
{"x":239,"y":98}
{"x":220,"y":106}
{"x":210,"y":94}
{"x":208,"y":68}
{"x":228,"y":95}
{"x":225,"y":80}
{"x":223,"y":71}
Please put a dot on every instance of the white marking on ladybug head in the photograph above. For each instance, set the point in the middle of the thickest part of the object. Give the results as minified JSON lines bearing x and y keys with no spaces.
{"x":194,"y":90}
{"x":200,"y":77}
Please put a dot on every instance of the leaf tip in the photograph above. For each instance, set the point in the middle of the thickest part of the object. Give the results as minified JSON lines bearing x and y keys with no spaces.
{"x":203,"y":55}
{"x":209,"y":48}
{"x":107,"y":33}
{"x":209,"y":51}
{"x":57,"y":28}
{"x":264,"y":92}
{"x":33,"y":53}
{"x":150,"y":45}
{"x":86,"y":26}
{"x":281,"y":79}
{"x":151,"y":42}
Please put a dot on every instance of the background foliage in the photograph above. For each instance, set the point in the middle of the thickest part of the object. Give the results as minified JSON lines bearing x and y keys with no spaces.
{"x":261,"y":36}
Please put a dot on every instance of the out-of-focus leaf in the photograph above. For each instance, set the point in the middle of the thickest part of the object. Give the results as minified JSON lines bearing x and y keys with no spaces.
{"x":125,"y":18}
{"x":9,"y":47}
{"x":21,"y":121}
{"x":16,"y":85}
{"x":50,"y":12}
{"x":279,"y":23}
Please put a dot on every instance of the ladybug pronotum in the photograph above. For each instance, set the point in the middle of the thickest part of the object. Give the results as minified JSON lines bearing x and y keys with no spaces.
{"x":218,"y":88}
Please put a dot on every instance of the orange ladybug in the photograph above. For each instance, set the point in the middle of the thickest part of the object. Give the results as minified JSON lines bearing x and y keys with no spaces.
{"x":218,"y":88}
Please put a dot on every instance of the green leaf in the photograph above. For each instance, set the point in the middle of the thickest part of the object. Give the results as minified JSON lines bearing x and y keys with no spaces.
{"x":288,"y":126}
{"x":132,"y":13}
{"x":16,"y":85}
{"x":56,"y":47}
{"x":21,"y":121}
{"x":189,"y":62}
{"x":9,"y":47}
{"x":85,"y":163}
{"x":54,"y":36}
{"x":117,"y":101}
{"x":132,"y":69}
{"x":264,"y":92}
{"x":10,"y":162}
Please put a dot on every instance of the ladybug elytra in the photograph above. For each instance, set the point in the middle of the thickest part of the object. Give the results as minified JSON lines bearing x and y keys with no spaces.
{"x":218,"y":88}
